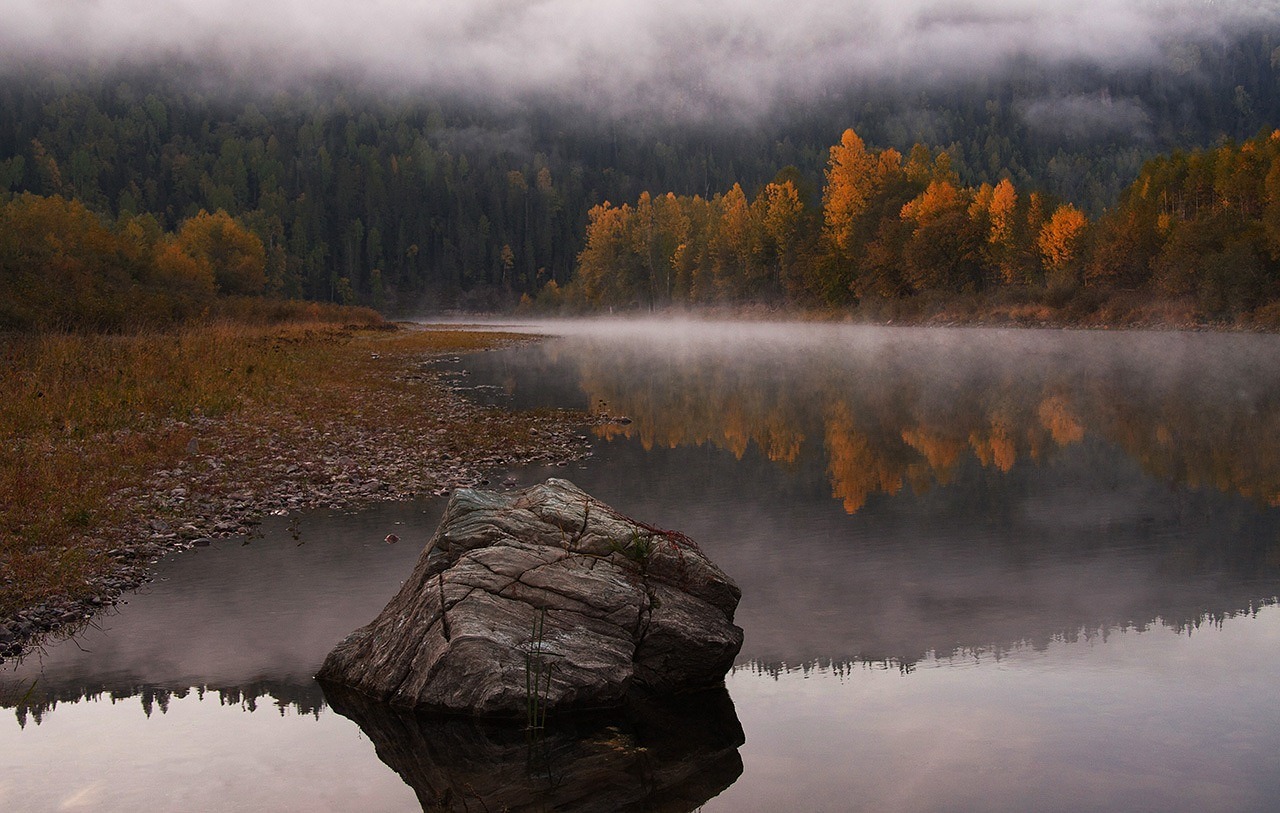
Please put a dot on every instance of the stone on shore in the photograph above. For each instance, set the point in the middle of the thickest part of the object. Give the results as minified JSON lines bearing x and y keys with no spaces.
{"x":544,"y":585}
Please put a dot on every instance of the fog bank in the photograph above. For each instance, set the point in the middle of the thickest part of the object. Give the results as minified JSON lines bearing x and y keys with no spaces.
{"x":712,"y":57}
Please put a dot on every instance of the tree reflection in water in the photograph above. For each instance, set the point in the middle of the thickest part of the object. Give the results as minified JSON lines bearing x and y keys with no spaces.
{"x":888,"y":409}
{"x":900,"y":494}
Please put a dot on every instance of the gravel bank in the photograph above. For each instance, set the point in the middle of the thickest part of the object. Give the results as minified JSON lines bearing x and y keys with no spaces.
{"x":400,"y":429}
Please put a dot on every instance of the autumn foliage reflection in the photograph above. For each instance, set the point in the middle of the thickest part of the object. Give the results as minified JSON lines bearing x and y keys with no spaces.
{"x":872,"y":438}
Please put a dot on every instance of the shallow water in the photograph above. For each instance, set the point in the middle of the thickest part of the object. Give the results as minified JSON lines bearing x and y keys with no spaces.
{"x":980,"y":569}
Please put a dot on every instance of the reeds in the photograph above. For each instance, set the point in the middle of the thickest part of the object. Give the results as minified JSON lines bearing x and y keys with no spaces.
{"x":537,"y":675}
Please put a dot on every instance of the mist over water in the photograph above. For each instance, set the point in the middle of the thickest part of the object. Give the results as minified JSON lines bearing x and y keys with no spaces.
{"x":900,"y":494}
{"x":981,"y":570}
{"x":1241,"y":363}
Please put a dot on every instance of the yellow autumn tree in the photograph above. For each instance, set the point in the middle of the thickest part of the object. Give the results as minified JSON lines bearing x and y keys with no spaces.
{"x":943,"y":249}
{"x":780,"y":211}
{"x":777,"y":210}
{"x":232,"y":254}
{"x":59,"y":265}
{"x":670,"y":230}
{"x":980,"y":204}
{"x":851,"y":180}
{"x":179,"y":271}
{"x":1059,"y":242}
{"x":1004,"y":199}
{"x":733,"y":243}
{"x":1001,"y":248}
{"x":938,"y":197}
{"x":600,"y":261}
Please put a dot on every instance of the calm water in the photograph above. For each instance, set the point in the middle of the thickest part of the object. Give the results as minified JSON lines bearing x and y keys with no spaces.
{"x":981,"y":570}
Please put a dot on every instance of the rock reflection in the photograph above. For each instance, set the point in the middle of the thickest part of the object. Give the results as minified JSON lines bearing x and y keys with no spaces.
{"x":672,"y":755}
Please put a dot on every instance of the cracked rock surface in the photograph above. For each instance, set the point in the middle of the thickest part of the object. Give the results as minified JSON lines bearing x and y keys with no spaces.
{"x":550,"y":586}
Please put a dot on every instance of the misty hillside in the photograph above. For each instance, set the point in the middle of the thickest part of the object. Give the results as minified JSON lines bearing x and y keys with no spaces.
{"x":413,"y":195}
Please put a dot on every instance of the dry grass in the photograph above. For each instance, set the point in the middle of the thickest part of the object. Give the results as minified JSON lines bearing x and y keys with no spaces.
{"x":87,"y":417}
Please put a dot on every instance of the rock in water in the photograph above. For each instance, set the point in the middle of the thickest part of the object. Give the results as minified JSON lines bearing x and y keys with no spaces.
{"x":544,"y":599}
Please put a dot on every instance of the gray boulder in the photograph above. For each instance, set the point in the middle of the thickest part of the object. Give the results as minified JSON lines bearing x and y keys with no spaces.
{"x":536,"y":601}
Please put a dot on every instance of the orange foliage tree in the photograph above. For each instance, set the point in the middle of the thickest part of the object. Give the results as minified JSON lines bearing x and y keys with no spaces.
{"x":851,"y":181}
{"x":60,"y":266}
{"x":1059,"y":242}
{"x":1203,"y":227}
{"x":232,"y":255}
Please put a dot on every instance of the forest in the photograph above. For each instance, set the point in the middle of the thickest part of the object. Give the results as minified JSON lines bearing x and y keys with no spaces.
{"x":1201,"y":227}
{"x":62,"y":267}
{"x":407,"y":203}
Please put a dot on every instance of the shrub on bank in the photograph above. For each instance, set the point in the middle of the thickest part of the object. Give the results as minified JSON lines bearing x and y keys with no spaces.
{"x":64,"y":268}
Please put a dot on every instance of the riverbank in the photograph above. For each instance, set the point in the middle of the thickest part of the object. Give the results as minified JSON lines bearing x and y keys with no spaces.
{"x":122,"y":449}
{"x":1073,"y":309}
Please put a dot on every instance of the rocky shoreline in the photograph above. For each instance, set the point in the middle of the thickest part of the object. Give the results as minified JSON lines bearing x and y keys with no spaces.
{"x":418,"y":435}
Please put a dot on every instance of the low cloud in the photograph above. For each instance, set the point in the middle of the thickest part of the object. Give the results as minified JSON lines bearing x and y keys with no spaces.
{"x":516,"y":140}
{"x":669,"y":56}
{"x":1082,"y":117}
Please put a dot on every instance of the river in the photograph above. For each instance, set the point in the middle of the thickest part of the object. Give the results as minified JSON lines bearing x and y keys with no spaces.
{"x":981,"y":570}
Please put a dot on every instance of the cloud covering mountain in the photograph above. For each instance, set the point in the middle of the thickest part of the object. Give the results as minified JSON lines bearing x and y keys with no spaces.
{"x":669,"y":55}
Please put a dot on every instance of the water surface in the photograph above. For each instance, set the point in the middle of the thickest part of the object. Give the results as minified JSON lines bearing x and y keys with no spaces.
{"x":980,"y":569}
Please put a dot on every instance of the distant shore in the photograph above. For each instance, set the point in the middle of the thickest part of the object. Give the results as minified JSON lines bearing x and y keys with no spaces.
{"x":1079,"y":310}
{"x":357,"y":416}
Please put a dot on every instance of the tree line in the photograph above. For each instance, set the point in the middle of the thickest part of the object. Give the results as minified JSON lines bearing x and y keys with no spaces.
{"x":62,"y":267}
{"x":1201,"y":226}
{"x":397,"y":200}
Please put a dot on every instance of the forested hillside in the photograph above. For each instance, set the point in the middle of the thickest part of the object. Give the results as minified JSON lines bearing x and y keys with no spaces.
{"x":1201,"y":229}
{"x":381,"y":197}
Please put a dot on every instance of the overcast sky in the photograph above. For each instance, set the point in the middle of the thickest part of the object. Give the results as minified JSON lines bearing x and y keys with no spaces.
{"x":610,"y":53}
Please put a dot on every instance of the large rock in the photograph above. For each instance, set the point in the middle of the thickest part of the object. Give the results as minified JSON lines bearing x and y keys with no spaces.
{"x":544,"y":600}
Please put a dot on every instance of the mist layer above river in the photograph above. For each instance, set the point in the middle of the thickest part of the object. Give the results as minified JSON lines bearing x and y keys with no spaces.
{"x":891,"y":494}
{"x":981,"y":570}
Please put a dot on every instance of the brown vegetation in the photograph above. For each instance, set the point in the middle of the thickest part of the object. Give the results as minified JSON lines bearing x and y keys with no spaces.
{"x":101,"y":432}
{"x":64,"y":267}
